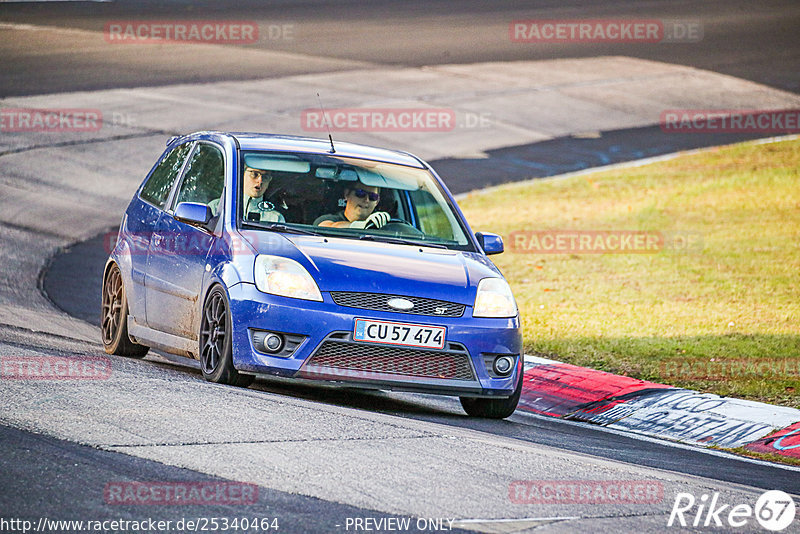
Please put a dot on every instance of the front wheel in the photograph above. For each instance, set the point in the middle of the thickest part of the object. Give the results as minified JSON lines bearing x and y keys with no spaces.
{"x":492,"y":408}
{"x":114,"y":318}
{"x":216,"y":354}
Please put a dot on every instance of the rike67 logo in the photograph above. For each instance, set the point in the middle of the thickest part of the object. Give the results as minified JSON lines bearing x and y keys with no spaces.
{"x":774,"y":510}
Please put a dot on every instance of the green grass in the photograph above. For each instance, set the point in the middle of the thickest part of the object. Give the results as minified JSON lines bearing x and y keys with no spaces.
{"x":769,"y":457}
{"x":668,"y":316}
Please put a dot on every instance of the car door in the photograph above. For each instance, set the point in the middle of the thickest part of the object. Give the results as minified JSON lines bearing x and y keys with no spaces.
{"x":177,"y":256}
{"x":142,"y":217}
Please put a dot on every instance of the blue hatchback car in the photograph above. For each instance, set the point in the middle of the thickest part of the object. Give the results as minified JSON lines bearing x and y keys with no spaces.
{"x":298,"y":257}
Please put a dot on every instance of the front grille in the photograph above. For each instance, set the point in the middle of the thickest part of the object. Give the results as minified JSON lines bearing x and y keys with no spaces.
{"x":336,"y":354}
{"x":378,"y":301}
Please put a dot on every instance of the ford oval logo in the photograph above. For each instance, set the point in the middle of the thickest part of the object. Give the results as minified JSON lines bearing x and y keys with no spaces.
{"x":400,"y":304}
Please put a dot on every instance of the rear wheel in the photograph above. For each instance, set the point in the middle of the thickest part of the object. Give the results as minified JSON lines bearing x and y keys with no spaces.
{"x":114,"y":318}
{"x":216,"y":358}
{"x":492,"y":408}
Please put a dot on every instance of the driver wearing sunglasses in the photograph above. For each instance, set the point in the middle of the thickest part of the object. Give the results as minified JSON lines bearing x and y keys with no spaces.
{"x":361,"y":201}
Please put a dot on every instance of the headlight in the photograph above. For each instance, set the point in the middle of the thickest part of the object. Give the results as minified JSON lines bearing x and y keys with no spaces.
{"x":285,"y":277}
{"x":494,"y":299}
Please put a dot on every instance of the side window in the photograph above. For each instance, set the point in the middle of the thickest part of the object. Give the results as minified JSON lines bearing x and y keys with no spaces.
{"x":157,"y":188}
{"x":432,"y":218}
{"x":204,"y":178}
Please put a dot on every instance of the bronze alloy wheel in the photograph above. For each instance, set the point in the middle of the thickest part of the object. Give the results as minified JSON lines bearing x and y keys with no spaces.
{"x":114,"y":318}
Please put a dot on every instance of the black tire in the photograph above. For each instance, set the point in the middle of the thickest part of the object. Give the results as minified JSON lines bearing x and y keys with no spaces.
{"x":492,"y":408}
{"x":216,"y":354}
{"x":114,"y":318}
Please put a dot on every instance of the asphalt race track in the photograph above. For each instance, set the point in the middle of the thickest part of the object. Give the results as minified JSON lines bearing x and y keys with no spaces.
{"x":321,"y":456}
{"x":751,"y":40}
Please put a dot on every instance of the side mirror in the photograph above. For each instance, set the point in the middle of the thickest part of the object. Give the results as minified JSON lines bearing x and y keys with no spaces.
{"x":490,"y":243}
{"x":193,"y":213}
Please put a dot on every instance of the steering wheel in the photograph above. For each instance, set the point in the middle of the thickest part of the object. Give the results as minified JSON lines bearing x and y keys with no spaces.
{"x":399,"y":226}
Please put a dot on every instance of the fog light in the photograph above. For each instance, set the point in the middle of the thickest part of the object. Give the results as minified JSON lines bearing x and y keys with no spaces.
{"x":503,"y":365}
{"x":273,"y":342}
{"x":268,"y":341}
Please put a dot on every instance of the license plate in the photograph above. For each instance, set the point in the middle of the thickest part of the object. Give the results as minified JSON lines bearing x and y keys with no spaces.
{"x":410,"y":335}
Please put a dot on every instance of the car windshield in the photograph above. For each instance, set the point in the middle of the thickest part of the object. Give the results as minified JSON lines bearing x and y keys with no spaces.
{"x":346,"y":197}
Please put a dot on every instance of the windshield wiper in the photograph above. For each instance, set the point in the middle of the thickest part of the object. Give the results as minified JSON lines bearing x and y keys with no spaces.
{"x":399,"y":241}
{"x":279,"y":227}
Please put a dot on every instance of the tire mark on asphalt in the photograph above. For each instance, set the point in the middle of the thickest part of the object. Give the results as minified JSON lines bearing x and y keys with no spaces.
{"x":267,"y":441}
{"x":36,"y":231}
{"x":78,"y":142}
{"x":6,"y":338}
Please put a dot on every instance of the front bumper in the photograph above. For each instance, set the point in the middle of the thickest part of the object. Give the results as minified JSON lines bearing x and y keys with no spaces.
{"x":328,"y":351}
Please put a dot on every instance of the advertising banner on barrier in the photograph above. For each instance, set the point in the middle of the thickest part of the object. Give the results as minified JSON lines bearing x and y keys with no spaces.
{"x":702,"y":418}
{"x":785,"y":442}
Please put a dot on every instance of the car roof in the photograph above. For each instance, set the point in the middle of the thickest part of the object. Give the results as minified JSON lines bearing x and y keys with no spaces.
{"x":260,"y":141}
